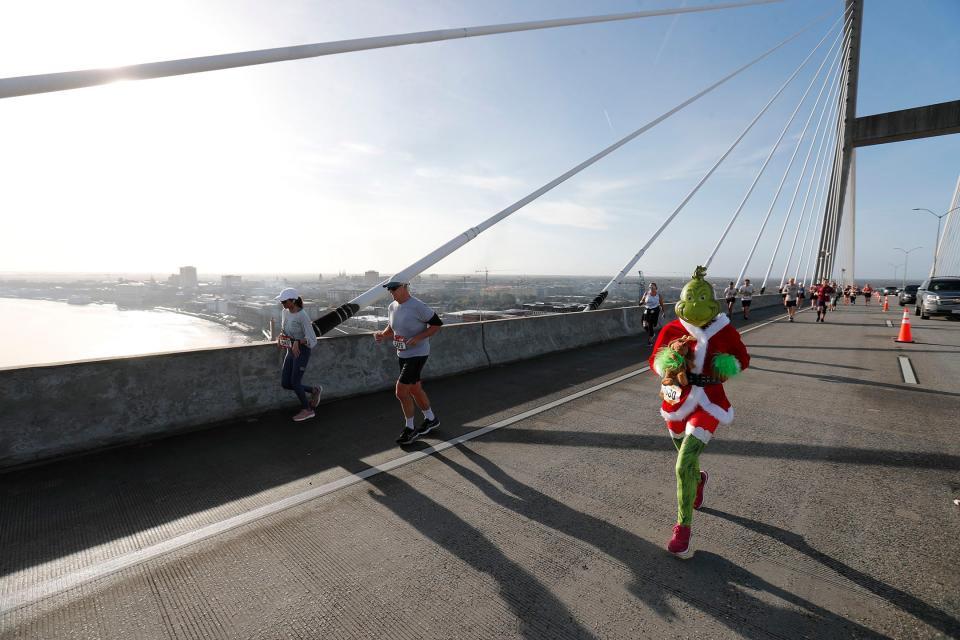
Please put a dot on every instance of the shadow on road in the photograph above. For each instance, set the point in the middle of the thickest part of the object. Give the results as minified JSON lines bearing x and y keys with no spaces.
{"x":751,"y":448}
{"x":900,"y":599}
{"x":708,"y":583}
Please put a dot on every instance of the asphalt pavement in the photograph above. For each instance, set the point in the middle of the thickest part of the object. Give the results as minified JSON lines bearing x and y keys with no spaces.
{"x":829,"y":512}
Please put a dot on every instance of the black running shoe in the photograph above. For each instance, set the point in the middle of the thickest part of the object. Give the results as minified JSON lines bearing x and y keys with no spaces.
{"x":427,"y":426}
{"x":407,"y":436}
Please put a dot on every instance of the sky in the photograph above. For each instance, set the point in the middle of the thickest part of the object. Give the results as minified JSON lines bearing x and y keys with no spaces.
{"x":370,"y":160}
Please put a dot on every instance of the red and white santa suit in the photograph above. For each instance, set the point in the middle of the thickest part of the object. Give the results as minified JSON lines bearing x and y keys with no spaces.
{"x":701,"y":409}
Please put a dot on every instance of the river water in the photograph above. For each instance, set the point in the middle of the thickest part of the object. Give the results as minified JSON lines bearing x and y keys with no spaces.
{"x":42,"y":332}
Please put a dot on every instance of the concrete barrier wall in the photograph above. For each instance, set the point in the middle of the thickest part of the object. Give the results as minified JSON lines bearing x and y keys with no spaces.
{"x":54,"y":410}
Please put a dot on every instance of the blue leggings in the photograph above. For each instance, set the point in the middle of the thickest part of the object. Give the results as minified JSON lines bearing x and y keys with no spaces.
{"x":292,"y":377}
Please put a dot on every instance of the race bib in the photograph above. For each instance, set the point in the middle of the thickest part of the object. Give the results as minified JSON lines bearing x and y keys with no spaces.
{"x":400,"y":343}
{"x":671,"y":393}
{"x":285,"y":342}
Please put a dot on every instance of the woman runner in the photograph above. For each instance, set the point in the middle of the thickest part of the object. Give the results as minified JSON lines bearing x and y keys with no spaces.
{"x":652,"y":305}
{"x":298,"y":338}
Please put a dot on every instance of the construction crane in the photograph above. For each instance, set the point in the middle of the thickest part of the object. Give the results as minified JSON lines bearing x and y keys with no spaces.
{"x":486,"y":274}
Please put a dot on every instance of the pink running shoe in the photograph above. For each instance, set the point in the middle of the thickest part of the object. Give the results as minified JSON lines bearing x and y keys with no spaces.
{"x":679,"y":544}
{"x":703,"y":480}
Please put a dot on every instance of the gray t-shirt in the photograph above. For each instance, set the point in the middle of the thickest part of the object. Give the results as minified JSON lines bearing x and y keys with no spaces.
{"x":746,"y":292}
{"x":298,"y":326}
{"x":791,"y":291}
{"x":408,"y":320}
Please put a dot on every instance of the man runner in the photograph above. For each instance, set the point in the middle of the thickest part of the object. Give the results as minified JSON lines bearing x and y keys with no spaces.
{"x":411,"y":323}
{"x":822,"y":296}
{"x":790,"y":293}
{"x":730,"y":295}
{"x":746,"y":297}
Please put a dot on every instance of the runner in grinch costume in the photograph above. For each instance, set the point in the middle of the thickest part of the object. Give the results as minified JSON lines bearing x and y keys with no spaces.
{"x":694,"y":355}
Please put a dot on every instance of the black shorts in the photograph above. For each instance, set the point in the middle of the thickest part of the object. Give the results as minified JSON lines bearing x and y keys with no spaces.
{"x":745,"y":303}
{"x":731,"y":300}
{"x":791,"y":303}
{"x":410,"y":369}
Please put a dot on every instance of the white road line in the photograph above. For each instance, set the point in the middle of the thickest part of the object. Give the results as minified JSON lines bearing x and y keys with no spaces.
{"x":907,"y":370}
{"x":889,"y":323}
{"x":103,"y":569}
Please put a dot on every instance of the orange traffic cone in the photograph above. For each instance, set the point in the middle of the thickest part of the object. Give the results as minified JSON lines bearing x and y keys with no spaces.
{"x":905,"y":334}
{"x":886,"y":303}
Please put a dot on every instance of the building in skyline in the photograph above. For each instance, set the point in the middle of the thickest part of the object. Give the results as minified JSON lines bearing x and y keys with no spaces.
{"x":231,"y":283}
{"x":188,"y":277}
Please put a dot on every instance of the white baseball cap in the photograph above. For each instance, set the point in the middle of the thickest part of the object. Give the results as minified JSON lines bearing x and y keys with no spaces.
{"x":288,"y":294}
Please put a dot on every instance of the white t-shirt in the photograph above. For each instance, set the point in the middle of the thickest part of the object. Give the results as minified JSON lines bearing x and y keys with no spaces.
{"x":652,"y":300}
{"x":746,"y":292}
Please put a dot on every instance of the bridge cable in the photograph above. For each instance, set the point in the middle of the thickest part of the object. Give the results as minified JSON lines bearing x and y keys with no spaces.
{"x":619,"y":277}
{"x":826,"y":143}
{"x":338,"y":315}
{"x":830,"y":197}
{"x":954,"y":241}
{"x":776,"y":145}
{"x":823,"y":153}
{"x":832,"y":209}
{"x":828,"y":83}
{"x":817,"y":202}
{"x":822,"y":204}
{"x":800,"y":179}
{"x":66,"y":80}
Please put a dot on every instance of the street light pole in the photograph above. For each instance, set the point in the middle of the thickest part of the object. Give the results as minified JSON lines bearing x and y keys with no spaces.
{"x":936,"y":247}
{"x":896,"y":268}
{"x":906,"y":254}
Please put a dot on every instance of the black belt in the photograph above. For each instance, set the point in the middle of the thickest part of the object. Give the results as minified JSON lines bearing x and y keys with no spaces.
{"x":700,"y":380}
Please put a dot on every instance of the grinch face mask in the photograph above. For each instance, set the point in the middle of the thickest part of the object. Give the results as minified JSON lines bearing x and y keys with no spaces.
{"x":697,"y":304}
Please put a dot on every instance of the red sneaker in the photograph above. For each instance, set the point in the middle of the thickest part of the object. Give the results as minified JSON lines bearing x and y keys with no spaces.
{"x":703,"y":480}
{"x":679,"y":544}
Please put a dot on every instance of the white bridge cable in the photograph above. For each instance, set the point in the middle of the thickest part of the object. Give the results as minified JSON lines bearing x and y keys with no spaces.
{"x":820,"y":206}
{"x":828,"y":83}
{"x":820,"y":162}
{"x":830,"y":197}
{"x":452,"y":245}
{"x":619,"y":277}
{"x":835,"y":83}
{"x":831,"y":211}
{"x":842,"y":253}
{"x":776,"y":145}
{"x":66,"y":80}
{"x":946,"y":250}
{"x":817,"y":202}
{"x":820,"y":165}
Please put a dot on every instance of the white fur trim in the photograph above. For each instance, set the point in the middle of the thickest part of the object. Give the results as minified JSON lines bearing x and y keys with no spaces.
{"x":676,"y":436}
{"x":703,"y":338}
{"x":699,"y":433}
{"x":697,"y":398}
{"x":723,"y":417}
{"x":689,"y":404}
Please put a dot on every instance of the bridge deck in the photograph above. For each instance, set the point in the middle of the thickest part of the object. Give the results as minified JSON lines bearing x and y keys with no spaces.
{"x":829,"y":512}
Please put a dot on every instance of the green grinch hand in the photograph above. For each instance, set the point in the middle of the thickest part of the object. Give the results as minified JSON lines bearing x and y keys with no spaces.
{"x":725,"y":366}
{"x":697,"y":304}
